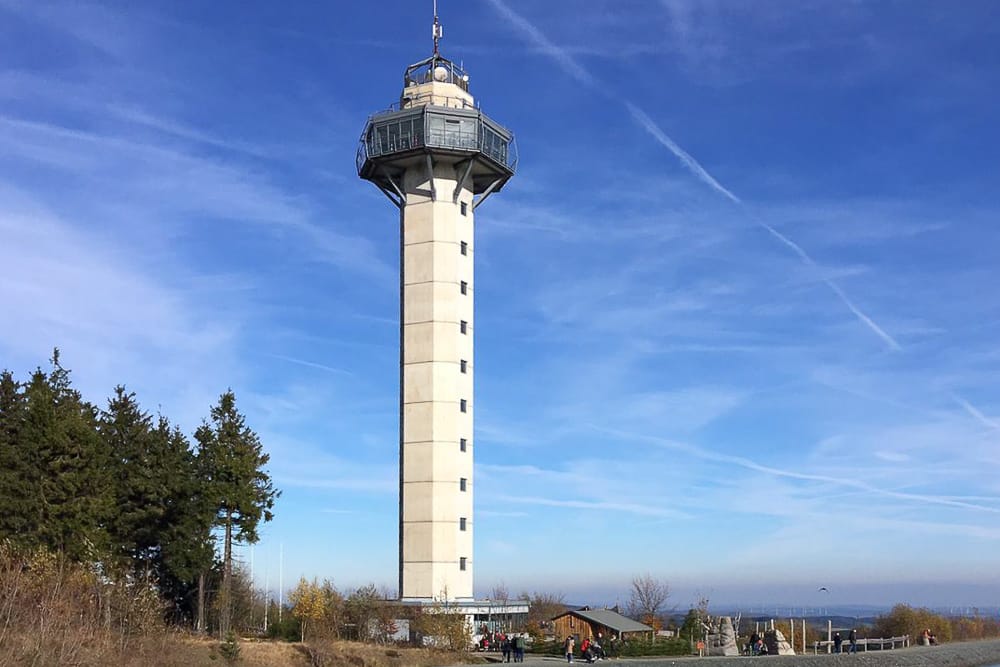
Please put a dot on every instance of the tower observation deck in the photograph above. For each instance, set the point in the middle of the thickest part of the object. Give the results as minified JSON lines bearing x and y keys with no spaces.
{"x":437,"y":157}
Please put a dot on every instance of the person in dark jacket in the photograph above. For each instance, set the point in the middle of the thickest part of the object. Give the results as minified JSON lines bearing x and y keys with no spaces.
{"x":853,"y":640}
{"x":837,"y":641}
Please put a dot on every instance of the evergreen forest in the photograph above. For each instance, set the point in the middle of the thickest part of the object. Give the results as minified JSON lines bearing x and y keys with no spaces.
{"x":123,"y":495}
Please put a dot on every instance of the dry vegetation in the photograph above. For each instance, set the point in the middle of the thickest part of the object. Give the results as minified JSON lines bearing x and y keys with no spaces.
{"x":57,"y":612}
{"x":355,"y":654}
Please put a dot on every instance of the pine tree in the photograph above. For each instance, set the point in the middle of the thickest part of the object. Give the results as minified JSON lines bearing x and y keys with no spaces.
{"x":15,"y":487}
{"x":139,"y":494}
{"x":186,"y":537}
{"x":67,"y":466}
{"x":232,"y":462}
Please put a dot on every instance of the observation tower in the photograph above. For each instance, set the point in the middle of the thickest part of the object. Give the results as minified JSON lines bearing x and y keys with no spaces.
{"x":437,"y":157}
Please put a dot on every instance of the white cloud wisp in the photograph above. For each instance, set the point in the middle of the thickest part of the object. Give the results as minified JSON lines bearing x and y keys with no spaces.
{"x":568,"y":64}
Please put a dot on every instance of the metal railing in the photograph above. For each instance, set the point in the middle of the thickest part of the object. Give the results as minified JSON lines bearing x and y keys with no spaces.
{"x":485,"y":140}
{"x":878,"y":644}
{"x":425,"y":71}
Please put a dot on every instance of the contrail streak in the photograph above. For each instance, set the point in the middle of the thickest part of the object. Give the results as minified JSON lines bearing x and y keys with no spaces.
{"x":569,"y":65}
{"x":975,"y":412}
{"x":692,"y":165}
{"x":632,"y":508}
{"x":565,"y":61}
{"x":809,"y":261}
{"x":311,"y":364}
{"x":778,"y":472}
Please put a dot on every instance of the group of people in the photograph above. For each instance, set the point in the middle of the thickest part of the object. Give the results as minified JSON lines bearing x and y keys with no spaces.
{"x":756,"y":645}
{"x":852,"y":639}
{"x":928,"y":638}
{"x":591,"y":648}
{"x":509,"y":645}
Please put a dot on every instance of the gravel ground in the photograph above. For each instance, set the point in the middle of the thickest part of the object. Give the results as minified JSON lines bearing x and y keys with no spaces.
{"x":962,"y":654}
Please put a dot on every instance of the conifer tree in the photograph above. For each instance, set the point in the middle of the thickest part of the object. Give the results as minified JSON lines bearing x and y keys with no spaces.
{"x":186,"y":536}
{"x":139,"y":494}
{"x":15,"y":489}
{"x":161,"y":529}
{"x":232,"y":462}
{"x":66,"y":465}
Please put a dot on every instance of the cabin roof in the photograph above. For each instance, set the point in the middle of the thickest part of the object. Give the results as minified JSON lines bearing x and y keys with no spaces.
{"x":609,"y":619}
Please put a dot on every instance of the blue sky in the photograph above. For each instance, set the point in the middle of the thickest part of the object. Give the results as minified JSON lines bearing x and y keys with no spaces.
{"x":737,"y":313}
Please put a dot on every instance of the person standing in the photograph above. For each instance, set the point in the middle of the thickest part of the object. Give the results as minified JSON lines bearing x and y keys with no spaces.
{"x":568,"y":648}
{"x":519,"y":642}
{"x":837,"y":641}
{"x":505,"y":648}
{"x":853,"y":639}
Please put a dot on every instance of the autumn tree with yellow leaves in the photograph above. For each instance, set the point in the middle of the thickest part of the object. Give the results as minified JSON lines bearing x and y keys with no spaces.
{"x":308,"y":604}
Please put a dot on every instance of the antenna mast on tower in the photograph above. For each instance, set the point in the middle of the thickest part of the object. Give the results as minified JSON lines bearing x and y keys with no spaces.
{"x":438,"y":31}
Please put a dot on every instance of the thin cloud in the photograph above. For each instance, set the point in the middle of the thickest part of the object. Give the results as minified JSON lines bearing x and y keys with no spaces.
{"x":810,"y":262}
{"x":375,"y":485}
{"x":975,"y":412}
{"x":702,"y":174}
{"x":630,"y":508}
{"x":534,"y":35}
{"x":569,"y":65}
{"x":947,"y":501}
{"x":498,"y":513}
{"x":692,"y":165}
{"x":311,"y":364}
{"x":160,"y":177}
{"x":169,"y":127}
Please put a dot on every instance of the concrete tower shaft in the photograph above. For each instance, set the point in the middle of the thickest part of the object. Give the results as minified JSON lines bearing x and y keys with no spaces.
{"x":437,"y":157}
{"x":436,"y":440}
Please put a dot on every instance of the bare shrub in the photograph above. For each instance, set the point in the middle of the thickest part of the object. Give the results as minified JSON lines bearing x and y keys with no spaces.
{"x":647,"y":599}
{"x":54,"y":611}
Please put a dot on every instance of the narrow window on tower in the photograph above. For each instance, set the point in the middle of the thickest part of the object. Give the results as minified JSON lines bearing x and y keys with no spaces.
{"x":461,"y":523}
{"x":464,"y":247}
{"x":463,"y":444}
{"x":463,"y":326}
{"x":461,"y":563}
{"x":463,"y":365}
{"x":465,"y":208}
{"x":461,"y":484}
{"x":462,"y":405}
{"x":464,"y":287}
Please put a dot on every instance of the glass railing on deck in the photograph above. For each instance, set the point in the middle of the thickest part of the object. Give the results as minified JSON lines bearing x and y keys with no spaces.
{"x":416,"y":131}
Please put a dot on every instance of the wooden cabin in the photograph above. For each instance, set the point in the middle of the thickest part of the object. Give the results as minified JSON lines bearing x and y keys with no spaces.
{"x":584,"y":623}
